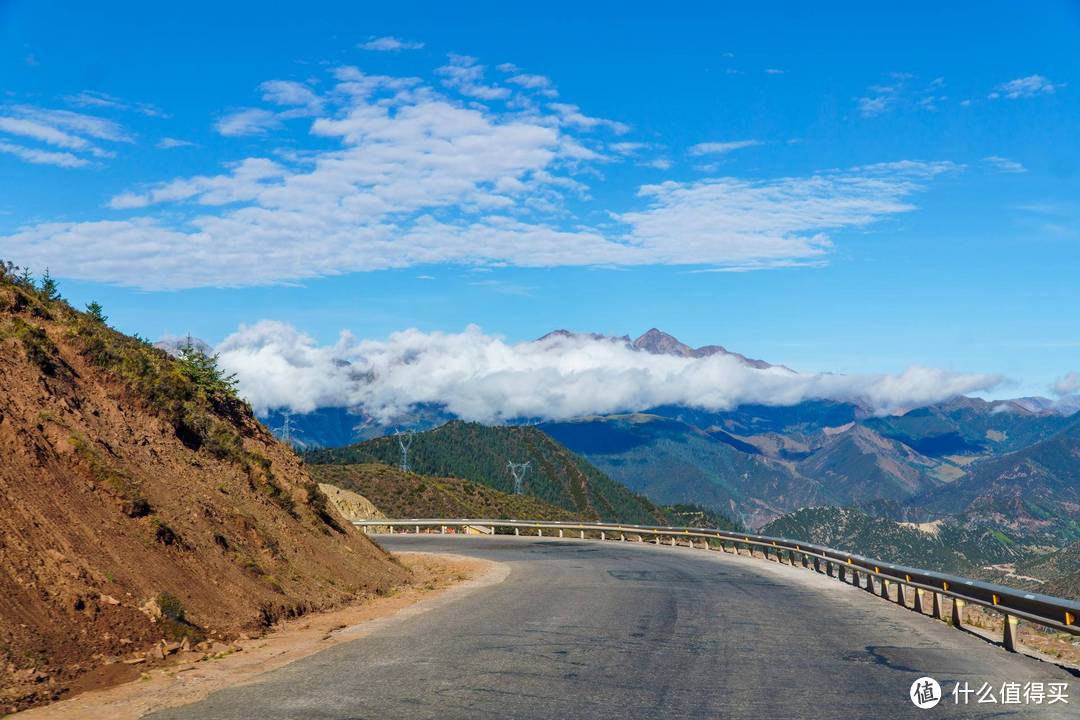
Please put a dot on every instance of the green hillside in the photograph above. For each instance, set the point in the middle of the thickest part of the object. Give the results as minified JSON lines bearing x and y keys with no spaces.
{"x":408,"y":495}
{"x":480,"y":453}
{"x":1034,"y":491}
{"x":968,"y":426}
{"x":944,"y":546}
{"x":673,"y":462}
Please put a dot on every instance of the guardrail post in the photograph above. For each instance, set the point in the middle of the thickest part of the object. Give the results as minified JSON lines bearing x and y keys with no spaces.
{"x":622,"y":537}
{"x":442,"y":529}
{"x":841,"y":572}
{"x":560,"y":532}
{"x":391,"y":529}
{"x":918,"y":605}
{"x":417,"y":530}
{"x":884,"y":589}
{"x":901,"y":595}
{"x":672,"y":541}
{"x":805,"y":560}
{"x":603,"y":535}
{"x":539,"y":532}
{"x":957,"y":619}
{"x":936,"y":610}
{"x":1009,"y":637}
{"x":517,"y":531}
{"x":582,"y":534}
{"x":870,"y":583}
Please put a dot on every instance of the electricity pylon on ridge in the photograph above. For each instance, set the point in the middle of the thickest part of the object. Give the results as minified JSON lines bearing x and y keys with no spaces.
{"x":404,"y":440}
{"x":518,"y":471}
{"x":286,"y":427}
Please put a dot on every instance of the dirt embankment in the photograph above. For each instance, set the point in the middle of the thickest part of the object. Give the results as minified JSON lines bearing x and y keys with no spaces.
{"x":141,"y":504}
{"x":189,"y":676}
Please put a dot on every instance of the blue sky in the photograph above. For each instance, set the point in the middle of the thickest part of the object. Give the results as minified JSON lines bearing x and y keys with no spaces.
{"x":836,"y":188}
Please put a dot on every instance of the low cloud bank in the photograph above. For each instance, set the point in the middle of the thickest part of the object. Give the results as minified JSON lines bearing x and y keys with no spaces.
{"x":481,"y":377}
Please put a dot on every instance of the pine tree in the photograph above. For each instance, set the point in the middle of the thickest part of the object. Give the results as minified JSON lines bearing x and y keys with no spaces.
{"x":204,"y":370}
{"x":96,"y":311}
{"x":49,"y":289}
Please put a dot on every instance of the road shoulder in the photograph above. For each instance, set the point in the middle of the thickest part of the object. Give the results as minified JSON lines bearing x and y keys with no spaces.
{"x":441,"y":578}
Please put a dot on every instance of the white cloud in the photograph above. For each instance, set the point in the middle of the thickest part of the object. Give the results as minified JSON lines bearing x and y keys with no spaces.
{"x":1067,"y":384}
{"x":43,"y":133}
{"x":871,"y":106}
{"x":293,"y":94}
{"x":901,"y":90}
{"x":79,"y":123}
{"x":169,"y":143}
{"x":658,"y":164}
{"x":42,"y":157}
{"x":466,"y":75}
{"x":249,"y":121}
{"x":409,"y":176}
{"x":1004,"y":165}
{"x":627,"y":148}
{"x":390,"y":44}
{"x":59,"y":129}
{"x":103,"y":100}
{"x":1026,"y":87}
{"x":571,"y":115}
{"x":539,"y":83}
{"x":722,"y":148}
{"x":773,"y":71}
{"x":481,"y":377}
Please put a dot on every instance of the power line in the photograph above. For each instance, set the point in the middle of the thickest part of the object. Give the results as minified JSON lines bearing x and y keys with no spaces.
{"x":518,"y":471}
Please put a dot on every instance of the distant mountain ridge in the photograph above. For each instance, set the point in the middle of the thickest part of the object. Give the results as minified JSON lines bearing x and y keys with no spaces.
{"x":658,"y":342}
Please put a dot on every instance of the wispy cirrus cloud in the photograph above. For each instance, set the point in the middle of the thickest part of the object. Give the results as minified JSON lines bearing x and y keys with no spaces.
{"x":89,"y":98}
{"x":79,"y":135}
{"x":722,"y":148}
{"x":1026,"y":87}
{"x":42,"y":157}
{"x":572,"y":116}
{"x":901,"y":90}
{"x":388,"y":43}
{"x":1003,"y":164}
{"x":409,"y":174}
{"x":247,"y":121}
{"x":171,"y":143}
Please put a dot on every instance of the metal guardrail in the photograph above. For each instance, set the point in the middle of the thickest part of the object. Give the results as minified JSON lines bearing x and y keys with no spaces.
{"x":892,"y":579}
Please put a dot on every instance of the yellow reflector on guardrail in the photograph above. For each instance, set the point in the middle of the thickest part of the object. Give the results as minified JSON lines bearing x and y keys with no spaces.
{"x":1070,"y":619}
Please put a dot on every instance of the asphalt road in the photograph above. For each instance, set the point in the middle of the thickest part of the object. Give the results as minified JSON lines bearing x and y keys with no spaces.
{"x":584,"y":629}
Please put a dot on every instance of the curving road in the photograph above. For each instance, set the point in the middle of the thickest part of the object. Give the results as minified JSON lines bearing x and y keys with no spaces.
{"x":625,"y":630}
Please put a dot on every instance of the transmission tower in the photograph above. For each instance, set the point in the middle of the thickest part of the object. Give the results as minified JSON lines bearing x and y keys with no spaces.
{"x":518,"y":471}
{"x":286,"y":427}
{"x":404,"y":440}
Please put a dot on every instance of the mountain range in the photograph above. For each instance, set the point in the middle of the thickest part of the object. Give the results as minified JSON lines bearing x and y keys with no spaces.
{"x":759,"y":462}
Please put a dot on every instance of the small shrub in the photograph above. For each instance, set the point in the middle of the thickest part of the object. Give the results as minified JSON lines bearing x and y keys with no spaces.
{"x":137,"y":507}
{"x":174,"y":622}
{"x":165,"y":534}
{"x":171,"y":607}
